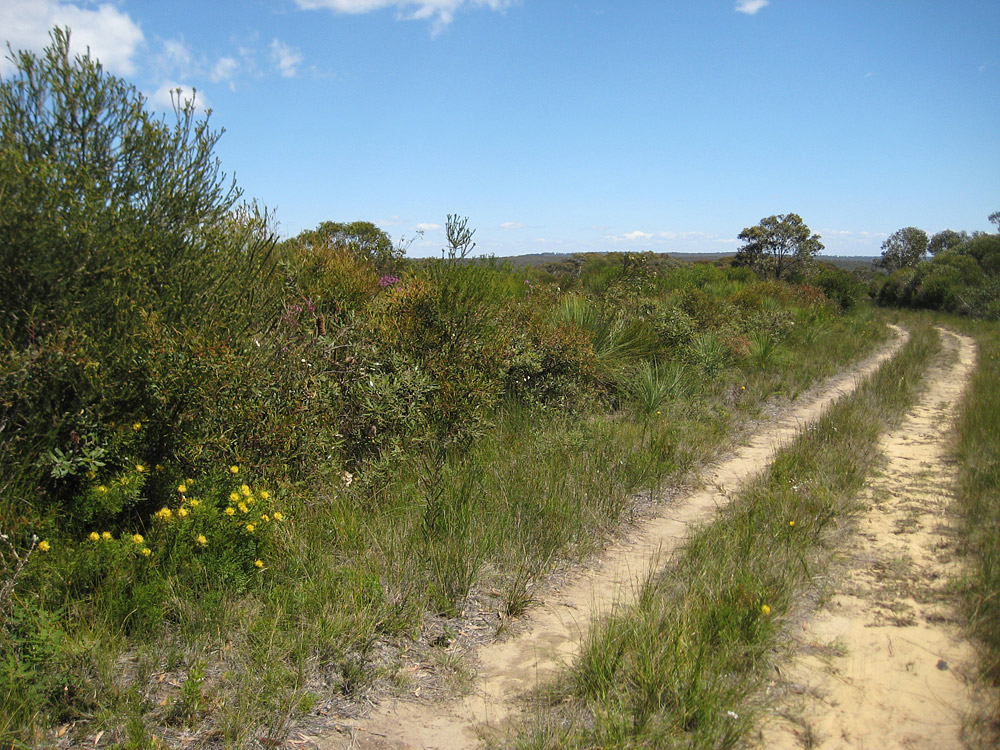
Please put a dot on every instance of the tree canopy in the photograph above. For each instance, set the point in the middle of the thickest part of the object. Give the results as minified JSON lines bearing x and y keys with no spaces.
{"x":779,"y":246}
{"x":903,"y":248}
{"x":361,"y":238}
{"x":945,"y":240}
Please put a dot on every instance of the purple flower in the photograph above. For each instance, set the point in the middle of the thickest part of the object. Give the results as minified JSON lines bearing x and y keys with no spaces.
{"x":387,"y":281}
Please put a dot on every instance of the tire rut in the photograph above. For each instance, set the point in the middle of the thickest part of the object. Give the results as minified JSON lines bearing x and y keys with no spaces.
{"x":885,"y":663}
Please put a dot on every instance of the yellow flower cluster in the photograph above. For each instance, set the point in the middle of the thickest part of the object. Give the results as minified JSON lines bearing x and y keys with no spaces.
{"x":241,"y":503}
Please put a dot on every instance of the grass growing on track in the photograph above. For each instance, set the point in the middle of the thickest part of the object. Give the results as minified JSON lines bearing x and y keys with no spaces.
{"x":679,"y":667}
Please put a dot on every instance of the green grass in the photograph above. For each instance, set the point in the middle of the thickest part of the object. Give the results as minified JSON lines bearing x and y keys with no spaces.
{"x":361,"y":576}
{"x":978,"y":454}
{"x":680,"y":667}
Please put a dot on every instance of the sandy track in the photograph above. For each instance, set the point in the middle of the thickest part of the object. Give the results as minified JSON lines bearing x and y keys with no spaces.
{"x":884,"y":663}
{"x":509,"y":669}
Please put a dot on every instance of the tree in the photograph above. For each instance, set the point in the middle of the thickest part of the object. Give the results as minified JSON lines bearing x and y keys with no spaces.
{"x":362,"y":238}
{"x":106,"y":209}
{"x":903,"y":248}
{"x":779,"y":246}
{"x":945,"y":240}
{"x":995,"y":219}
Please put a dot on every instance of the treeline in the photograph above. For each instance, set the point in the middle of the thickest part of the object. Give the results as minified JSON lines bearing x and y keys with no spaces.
{"x":953,"y":271}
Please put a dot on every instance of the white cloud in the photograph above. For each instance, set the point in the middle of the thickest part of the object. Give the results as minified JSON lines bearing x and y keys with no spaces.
{"x":427,"y":227}
{"x":286,"y":57}
{"x":750,"y":6}
{"x":113,"y":37}
{"x":509,"y":225}
{"x":442,"y":12}
{"x":177,"y":55}
{"x":637,"y":235}
{"x":165,"y":97}
{"x":224,"y":69}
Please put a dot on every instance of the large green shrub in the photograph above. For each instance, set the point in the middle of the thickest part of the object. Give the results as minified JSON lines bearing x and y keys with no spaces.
{"x":129,"y":276}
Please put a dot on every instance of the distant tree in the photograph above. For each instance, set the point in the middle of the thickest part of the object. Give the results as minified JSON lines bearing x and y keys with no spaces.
{"x":995,"y":219}
{"x":361,"y":238}
{"x":778,"y":246}
{"x":945,"y":240}
{"x":903,"y":248}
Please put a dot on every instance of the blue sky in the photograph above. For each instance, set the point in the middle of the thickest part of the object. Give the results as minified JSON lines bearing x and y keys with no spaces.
{"x":578,"y":125}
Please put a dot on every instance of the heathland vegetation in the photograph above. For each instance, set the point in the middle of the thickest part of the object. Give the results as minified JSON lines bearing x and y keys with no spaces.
{"x":242,"y":479}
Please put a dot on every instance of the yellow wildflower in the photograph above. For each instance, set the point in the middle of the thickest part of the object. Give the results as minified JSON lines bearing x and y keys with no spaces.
{"x":265,"y":495}
{"x":44,"y":546}
{"x":264,"y":518}
{"x":91,"y":474}
{"x":146,"y":552}
{"x":766,"y":610}
{"x":791,"y":523}
{"x":259,"y":563}
{"x":182,"y":512}
{"x":230,"y":511}
{"x":140,"y":468}
{"x":245,"y":489}
{"x":102,"y":489}
{"x":278,"y":515}
{"x":188,"y":481}
{"x":250,"y":527}
{"x":201,"y":539}
{"x":164,"y":514}
{"x":137,"y":538}
{"x":182,"y":488}
{"x":234,"y":469}
{"x":195,"y":502}
{"x":243,"y":508}
{"x":136,"y":426}
{"x":94,"y":536}
{"x":106,"y":536}
{"x":234,"y":497}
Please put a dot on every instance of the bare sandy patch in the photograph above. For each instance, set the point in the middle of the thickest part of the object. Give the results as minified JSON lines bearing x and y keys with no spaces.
{"x":508,"y":670}
{"x":884,"y":663}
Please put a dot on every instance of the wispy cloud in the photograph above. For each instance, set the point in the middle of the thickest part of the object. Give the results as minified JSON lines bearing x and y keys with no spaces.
{"x":440,"y":12}
{"x":428,"y":227}
{"x":112,"y":36}
{"x":750,"y":6}
{"x":510,"y":225}
{"x":224,"y":69}
{"x":286,"y":58}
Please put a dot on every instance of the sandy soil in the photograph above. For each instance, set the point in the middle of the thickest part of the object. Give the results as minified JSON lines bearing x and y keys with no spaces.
{"x":883,"y":664}
{"x":508,"y":670}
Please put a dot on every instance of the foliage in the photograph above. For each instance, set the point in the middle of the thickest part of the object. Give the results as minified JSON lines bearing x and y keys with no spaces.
{"x":361,"y":239}
{"x":946,"y":239}
{"x":903,"y":248}
{"x":779,"y":246}
{"x":963,"y":279}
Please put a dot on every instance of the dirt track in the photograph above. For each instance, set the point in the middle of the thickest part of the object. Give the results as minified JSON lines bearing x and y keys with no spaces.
{"x":884,"y":663}
{"x":508,"y":670}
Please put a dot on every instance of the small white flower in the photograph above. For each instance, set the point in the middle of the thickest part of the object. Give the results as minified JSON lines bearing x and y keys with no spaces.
{"x":732,"y":715}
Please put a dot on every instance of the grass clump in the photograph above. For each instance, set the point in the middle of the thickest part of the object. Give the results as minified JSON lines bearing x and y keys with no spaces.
{"x":678,"y":668}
